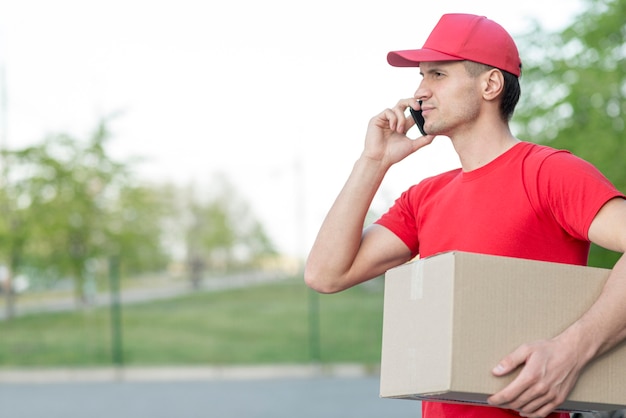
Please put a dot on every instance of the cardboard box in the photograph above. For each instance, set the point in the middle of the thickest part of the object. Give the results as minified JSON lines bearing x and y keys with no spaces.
{"x":449,"y":319}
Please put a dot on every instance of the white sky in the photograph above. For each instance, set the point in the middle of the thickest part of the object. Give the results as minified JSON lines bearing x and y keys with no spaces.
{"x":275,"y":94}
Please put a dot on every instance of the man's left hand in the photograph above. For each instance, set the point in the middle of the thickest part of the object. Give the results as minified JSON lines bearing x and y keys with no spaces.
{"x":550,"y":369}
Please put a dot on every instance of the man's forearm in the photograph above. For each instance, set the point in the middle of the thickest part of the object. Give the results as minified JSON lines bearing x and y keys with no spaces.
{"x":603,"y":326}
{"x":339,"y":237}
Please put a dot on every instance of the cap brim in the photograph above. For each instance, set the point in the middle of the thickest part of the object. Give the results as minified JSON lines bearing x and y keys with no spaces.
{"x":413,"y":57}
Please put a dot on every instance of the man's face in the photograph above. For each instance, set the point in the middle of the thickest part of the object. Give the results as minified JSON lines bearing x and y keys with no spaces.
{"x":450,"y":97}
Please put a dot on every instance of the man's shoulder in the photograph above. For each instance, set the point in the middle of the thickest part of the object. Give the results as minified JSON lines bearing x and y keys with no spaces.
{"x":536,"y":156}
{"x":443,"y":177}
{"x":438,"y":180}
{"x":540,"y":151}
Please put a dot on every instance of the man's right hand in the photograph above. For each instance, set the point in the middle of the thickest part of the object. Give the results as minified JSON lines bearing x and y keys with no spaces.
{"x":386,"y":140}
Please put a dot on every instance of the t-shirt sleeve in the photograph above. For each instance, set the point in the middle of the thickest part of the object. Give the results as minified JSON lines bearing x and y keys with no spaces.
{"x":401,"y":220}
{"x":574,"y":191}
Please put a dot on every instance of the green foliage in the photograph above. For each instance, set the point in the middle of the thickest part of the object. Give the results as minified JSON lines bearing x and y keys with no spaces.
{"x":136,"y":227}
{"x":224,"y":233}
{"x":574,"y":89}
{"x":262,"y":324}
{"x":68,"y":206}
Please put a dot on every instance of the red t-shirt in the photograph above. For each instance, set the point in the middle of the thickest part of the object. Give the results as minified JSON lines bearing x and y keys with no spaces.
{"x":532,"y":202}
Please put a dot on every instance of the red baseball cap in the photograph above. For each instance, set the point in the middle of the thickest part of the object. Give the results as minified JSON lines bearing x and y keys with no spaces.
{"x":459,"y":37}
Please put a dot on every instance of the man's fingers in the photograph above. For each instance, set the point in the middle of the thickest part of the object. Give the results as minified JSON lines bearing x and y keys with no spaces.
{"x":507,"y":365}
{"x":512,"y":361}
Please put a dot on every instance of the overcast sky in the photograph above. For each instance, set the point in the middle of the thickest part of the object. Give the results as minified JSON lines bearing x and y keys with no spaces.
{"x":275,"y":94}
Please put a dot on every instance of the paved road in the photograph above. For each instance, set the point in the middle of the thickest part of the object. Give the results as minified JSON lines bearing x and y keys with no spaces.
{"x":328,"y":397}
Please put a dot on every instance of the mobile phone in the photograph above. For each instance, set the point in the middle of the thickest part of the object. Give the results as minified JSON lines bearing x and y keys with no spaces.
{"x":418,"y":118}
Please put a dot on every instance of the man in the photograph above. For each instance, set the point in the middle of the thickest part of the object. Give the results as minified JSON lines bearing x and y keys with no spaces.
{"x":510,"y":198}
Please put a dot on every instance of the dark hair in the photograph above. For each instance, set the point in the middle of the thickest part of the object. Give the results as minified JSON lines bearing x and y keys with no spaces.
{"x":511,"y":92}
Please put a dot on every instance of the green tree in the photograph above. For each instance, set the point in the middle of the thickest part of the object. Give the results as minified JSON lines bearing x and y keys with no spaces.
{"x":135,"y":228}
{"x":70,"y":184}
{"x":574,"y":88}
{"x":15,"y":230}
{"x":77,"y":206}
{"x":223,"y":232}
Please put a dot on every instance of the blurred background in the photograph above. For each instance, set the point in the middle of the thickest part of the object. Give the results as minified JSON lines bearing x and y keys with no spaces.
{"x":165,"y":167}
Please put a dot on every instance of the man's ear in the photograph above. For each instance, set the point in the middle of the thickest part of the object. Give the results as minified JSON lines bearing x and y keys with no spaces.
{"x":493,"y":84}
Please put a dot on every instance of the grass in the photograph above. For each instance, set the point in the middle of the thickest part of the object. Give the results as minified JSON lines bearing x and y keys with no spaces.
{"x":268,"y":323}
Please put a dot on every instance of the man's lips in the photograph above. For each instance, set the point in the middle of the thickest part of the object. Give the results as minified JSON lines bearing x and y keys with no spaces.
{"x":426,"y":110}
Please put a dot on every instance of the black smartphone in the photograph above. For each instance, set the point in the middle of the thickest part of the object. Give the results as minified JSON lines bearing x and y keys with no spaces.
{"x":418,"y":118}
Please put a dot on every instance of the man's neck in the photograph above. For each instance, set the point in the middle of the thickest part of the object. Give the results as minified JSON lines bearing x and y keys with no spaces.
{"x":480,"y":147}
